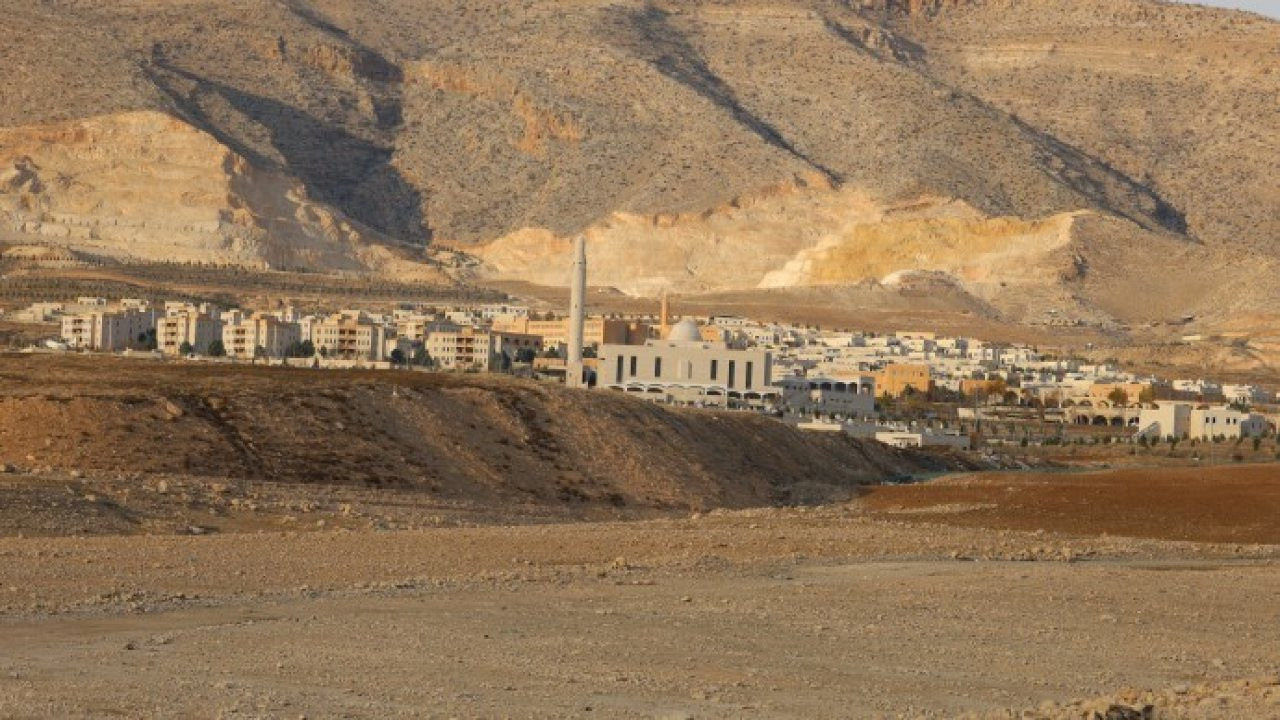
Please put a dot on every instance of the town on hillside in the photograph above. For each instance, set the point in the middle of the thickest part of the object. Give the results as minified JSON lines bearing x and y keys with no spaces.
{"x":907,"y":388}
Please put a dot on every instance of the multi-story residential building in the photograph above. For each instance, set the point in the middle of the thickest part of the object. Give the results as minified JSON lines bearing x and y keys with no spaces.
{"x":107,"y":330}
{"x":417,"y":328}
{"x":260,"y":336}
{"x":472,"y":348}
{"x":596,"y":331}
{"x":349,"y":335}
{"x":187,"y":326}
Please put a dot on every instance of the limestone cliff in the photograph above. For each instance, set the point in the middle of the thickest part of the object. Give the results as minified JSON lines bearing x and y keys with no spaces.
{"x":846,"y":237}
{"x":144,"y":186}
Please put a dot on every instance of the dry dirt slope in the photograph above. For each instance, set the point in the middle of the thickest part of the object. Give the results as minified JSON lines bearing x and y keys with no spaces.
{"x":490,"y":441}
{"x":471,"y":121}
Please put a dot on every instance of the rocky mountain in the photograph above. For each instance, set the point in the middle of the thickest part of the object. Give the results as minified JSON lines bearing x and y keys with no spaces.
{"x":1101,"y":159}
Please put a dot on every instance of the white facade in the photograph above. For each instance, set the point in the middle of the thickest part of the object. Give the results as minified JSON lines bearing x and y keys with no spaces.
{"x":855,"y":397}
{"x":686,"y":368}
{"x":106,"y":330}
{"x":911,"y":439}
{"x":1184,"y":419}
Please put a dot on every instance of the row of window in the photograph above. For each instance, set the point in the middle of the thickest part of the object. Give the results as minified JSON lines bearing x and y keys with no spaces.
{"x":713,"y":370}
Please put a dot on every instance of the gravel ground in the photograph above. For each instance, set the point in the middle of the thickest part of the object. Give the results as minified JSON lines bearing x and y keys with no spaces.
{"x":761,"y":613}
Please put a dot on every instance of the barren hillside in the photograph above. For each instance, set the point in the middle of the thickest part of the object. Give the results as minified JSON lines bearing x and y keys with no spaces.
{"x":488,"y":441}
{"x":1077,"y":156}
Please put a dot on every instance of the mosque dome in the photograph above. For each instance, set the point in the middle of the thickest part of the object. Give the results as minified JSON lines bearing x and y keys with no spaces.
{"x":685,"y":331}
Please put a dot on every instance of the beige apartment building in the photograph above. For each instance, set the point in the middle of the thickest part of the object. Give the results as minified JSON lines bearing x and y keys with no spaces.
{"x":260,"y":336}
{"x":685,"y":368}
{"x":417,"y":329}
{"x":895,"y":378}
{"x":596,"y":331}
{"x":350,"y":335}
{"x":471,"y":348}
{"x":106,"y":330}
{"x":187,"y":325}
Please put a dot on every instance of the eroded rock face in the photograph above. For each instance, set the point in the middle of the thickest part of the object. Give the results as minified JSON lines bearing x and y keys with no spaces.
{"x":145,"y":186}
{"x":798,"y":235}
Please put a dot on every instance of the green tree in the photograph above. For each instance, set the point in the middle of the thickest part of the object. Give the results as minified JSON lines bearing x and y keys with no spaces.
{"x":300,"y":349}
{"x":147,"y":340}
{"x":1118,"y":396}
{"x":217,"y":349}
{"x":185,"y":348}
{"x":397,"y":357}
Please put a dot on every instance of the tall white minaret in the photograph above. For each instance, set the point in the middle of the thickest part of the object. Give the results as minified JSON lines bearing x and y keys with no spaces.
{"x":577,"y":314}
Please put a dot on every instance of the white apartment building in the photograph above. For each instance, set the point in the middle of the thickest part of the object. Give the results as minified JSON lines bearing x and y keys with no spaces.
{"x":1185,"y":419}
{"x":106,"y":330}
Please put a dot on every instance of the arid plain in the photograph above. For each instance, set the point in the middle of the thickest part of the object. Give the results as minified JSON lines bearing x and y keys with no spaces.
{"x":132,"y":587}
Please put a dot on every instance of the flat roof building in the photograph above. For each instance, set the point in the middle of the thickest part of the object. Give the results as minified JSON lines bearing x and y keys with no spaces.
{"x":685,"y":368}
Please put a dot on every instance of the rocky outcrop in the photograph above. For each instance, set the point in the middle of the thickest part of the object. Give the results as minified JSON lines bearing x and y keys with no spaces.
{"x":145,"y":186}
{"x":800,"y":235}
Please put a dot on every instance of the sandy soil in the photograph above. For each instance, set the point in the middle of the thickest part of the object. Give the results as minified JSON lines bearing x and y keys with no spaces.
{"x":262,"y":577}
{"x":831,"y":612}
{"x":1219,"y":504}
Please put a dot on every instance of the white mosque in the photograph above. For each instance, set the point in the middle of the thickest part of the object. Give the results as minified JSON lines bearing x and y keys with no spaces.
{"x":684,"y":367}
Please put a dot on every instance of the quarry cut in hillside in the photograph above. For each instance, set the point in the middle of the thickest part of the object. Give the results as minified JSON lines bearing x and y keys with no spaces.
{"x":798,"y":236}
{"x":485,"y":440}
{"x":145,"y":186}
